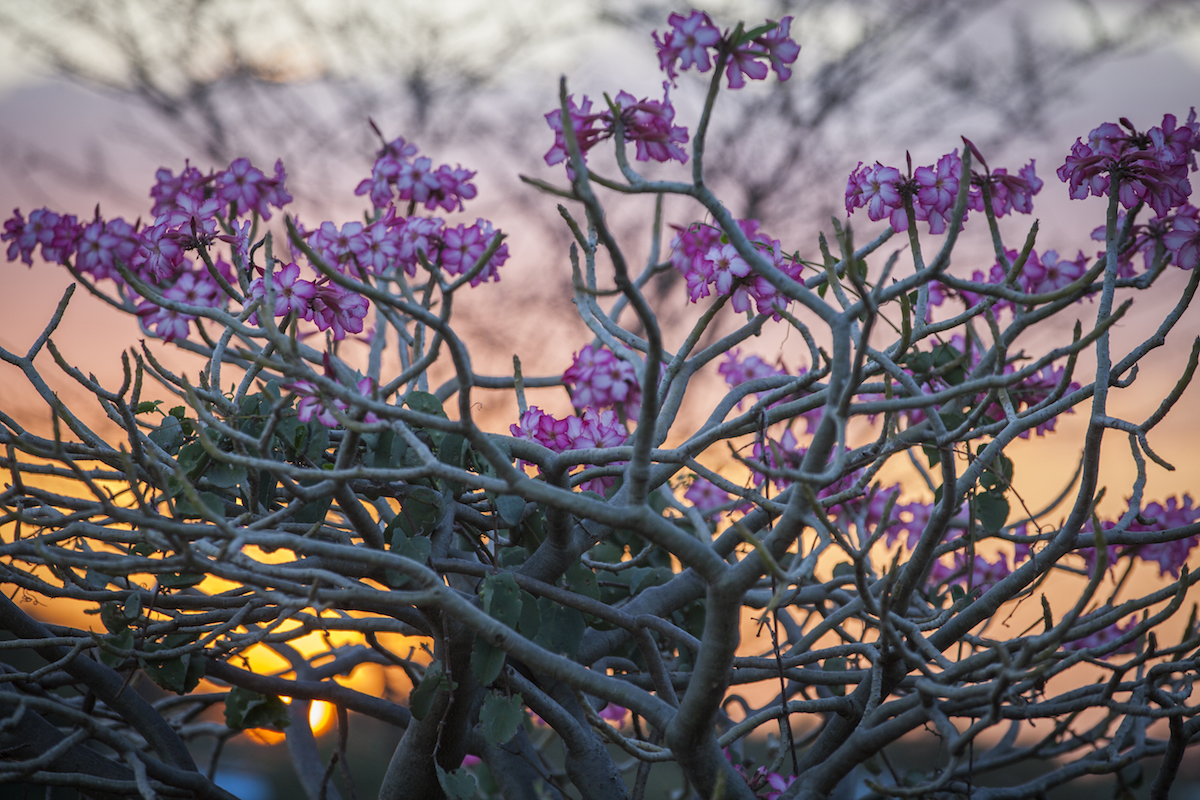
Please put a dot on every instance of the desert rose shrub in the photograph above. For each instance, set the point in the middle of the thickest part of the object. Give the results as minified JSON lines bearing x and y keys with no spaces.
{"x":569,"y":592}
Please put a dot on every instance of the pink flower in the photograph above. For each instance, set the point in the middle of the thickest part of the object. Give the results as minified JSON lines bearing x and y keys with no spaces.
{"x":312,"y":405}
{"x":614,"y":713}
{"x":727,"y":266}
{"x":463,"y":246}
{"x":687,"y":42}
{"x":705,"y":495}
{"x":417,"y":182}
{"x":102,"y":244}
{"x":168,"y":187}
{"x":339,"y":310}
{"x":337,"y":247}
{"x":376,"y":247}
{"x":649,"y":123}
{"x":292,"y":295}
{"x":1183,"y":242}
{"x":1050,"y":273}
{"x":159,"y":256}
{"x":601,"y":380}
{"x":1103,"y":637}
{"x":780,"y":48}
{"x":416,"y":236}
{"x":743,"y":63}
{"x":587,"y":431}
{"x":239,"y":186}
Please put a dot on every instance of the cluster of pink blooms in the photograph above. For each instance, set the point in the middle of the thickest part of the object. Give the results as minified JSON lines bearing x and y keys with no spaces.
{"x":765,"y":784}
{"x":885,"y":191}
{"x":710,"y":264}
{"x":649,"y":124}
{"x":323,"y":302}
{"x":1105,"y":635}
{"x":1179,"y":233}
{"x":705,"y":495}
{"x":189,"y":211}
{"x":689,"y":40}
{"x":396,"y":242}
{"x":591,"y":429}
{"x":314,"y":405}
{"x":598,"y":379}
{"x":1151,"y":167}
{"x":982,"y":575}
{"x":1169,"y":556}
{"x":396,"y":175}
{"x":1041,"y":274}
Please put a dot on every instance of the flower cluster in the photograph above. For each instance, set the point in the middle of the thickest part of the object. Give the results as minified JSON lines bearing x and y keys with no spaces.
{"x":886,"y":192}
{"x":1104,"y":636}
{"x":689,"y":40}
{"x":598,"y":379}
{"x":981,"y":574}
{"x":324,"y":303}
{"x":705,"y":495}
{"x":394,"y":242}
{"x":396,"y":175}
{"x":591,"y":429}
{"x":1150,"y":167}
{"x":765,"y":784}
{"x":1169,"y":556}
{"x":189,"y":211}
{"x":711,"y":264}
{"x":649,"y":124}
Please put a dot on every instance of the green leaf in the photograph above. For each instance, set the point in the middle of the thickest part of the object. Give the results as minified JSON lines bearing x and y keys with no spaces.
{"x":487,"y":662}
{"x":416,"y":548}
{"x":458,"y":785}
{"x":510,"y":508}
{"x":992,"y":511}
{"x":423,"y":694}
{"x":450,"y":451}
{"x":501,"y":598}
{"x":146,"y":406}
{"x":180,"y":675}
{"x":247,"y":709}
{"x":501,"y":717}
{"x":118,"y":641}
{"x":836,"y":665}
{"x":561,"y":628}
{"x":100,"y":579}
{"x":113,"y":616}
{"x":951,"y":419}
{"x":581,"y":580}
{"x":316,"y":442}
{"x":531,"y":616}
{"x":754,"y":33}
{"x":389,"y":450}
{"x":168,"y":435}
{"x":213,"y":504}
{"x":193,"y":458}
{"x":425,"y":403}
{"x":133,"y":606}
{"x":225,"y":475}
{"x":180,"y":580}
{"x":419,"y":513}
{"x":932,"y":454}
{"x":644,"y":577}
